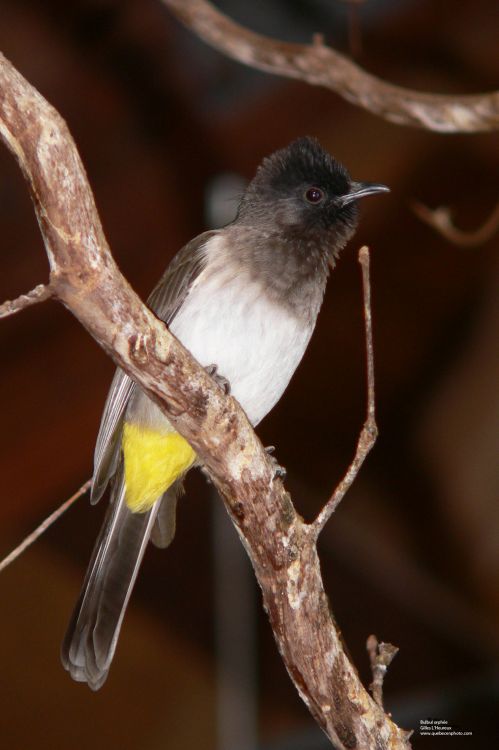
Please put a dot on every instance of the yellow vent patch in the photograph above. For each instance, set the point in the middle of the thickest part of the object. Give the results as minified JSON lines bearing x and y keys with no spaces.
{"x":153,"y":461}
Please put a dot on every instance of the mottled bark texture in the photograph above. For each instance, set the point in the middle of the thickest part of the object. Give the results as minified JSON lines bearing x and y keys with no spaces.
{"x":322,"y":66}
{"x":85,"y":278}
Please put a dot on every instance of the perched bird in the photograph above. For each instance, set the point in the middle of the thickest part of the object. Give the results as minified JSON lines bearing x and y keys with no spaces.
{"x":244,"y":300}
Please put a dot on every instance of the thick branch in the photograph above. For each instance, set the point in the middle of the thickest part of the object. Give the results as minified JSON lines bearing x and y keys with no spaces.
{"x":322,"y":66}
{"x":281,"y":546}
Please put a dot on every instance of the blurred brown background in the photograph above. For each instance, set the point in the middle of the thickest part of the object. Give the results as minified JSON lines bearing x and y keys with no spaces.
{"x":412,"y":555}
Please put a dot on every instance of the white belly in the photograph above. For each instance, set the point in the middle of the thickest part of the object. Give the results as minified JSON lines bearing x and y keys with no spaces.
{"x":255,"y":343}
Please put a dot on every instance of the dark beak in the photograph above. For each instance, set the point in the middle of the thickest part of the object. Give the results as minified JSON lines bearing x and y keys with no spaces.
{"x":361,"y":189}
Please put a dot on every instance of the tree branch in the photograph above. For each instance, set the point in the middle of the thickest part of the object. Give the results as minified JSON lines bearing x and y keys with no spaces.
{"x":381,"y":656}
{"x":369,"y":432}
{"x":85,"y":278}
{"x":322,"y":66}
{"x":39,"y":294}
{"x":42,"y":528}
{"x":441,"y":220}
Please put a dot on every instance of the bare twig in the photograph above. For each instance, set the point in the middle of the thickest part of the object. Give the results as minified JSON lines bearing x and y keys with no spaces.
{"x":370,"y":430}
{"x":28,"y":541}
{"x":381,"y":656}
{"x":441,"y":219}
{"x":39,"y":294}
{"x":322,"y":66}
{"x":281,"y":546}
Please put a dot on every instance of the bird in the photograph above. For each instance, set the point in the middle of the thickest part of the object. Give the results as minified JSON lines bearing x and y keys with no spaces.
{"x":244,"y":300}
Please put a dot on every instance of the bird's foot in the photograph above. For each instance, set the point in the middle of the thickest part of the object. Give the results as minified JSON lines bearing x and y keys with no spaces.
{"x":279,"y":471}
{"x":224,"y":384}
{"x":204,"y":472}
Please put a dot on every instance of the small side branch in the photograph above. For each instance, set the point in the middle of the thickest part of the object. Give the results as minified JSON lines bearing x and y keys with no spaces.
{"x":28,"y":541}
{"x":440,"y":219}
{"x":381,"y":656}
{"x":320,"y":65}
{"x":39,"y":294}
{"x":370,"y":430}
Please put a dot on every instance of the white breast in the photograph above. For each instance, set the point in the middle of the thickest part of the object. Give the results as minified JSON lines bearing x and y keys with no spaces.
{"x":257,"y":344}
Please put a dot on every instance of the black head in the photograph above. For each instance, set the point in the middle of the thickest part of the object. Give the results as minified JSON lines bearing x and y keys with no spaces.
{"x":303,"y":192}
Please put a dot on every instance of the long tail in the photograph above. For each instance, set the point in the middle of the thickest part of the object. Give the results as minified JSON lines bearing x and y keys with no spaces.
{"x":92,"y":634}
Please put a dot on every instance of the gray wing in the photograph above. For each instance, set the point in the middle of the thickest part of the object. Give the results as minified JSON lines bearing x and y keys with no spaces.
{"x":107,"y":447}
{"x":164,"y":301}
{"x":92,"y":634}
{"x":173,"y":287}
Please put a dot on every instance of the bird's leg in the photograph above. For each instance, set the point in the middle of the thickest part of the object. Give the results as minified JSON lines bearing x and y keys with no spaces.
{"x":279,"y":471}
{"x":224,"y":384}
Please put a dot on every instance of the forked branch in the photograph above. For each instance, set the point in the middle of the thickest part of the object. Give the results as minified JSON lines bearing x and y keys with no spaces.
{"x":282,"y":548}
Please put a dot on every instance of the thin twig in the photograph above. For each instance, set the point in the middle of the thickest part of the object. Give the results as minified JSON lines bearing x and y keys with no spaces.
{"x":322,"y":66}
{"x":370,"y":430}
{"x":381,"y":656}
{"x":441,"y":219}
{"x":39,"y":294}
{"x":28,"y":541}
{"x":364,"y":260}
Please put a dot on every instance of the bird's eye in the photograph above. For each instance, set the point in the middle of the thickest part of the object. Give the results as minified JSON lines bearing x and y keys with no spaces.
{"x":314,"y":195}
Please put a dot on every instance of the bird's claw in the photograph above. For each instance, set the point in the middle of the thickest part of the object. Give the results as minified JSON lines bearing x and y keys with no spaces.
{"x":279,"y":471}
{"x":204,"y":472}
{"x":222,"y":382}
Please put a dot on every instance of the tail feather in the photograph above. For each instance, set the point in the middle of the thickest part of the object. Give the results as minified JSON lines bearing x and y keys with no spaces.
{"x":92,"y":634}
{"x":165,"y":524}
